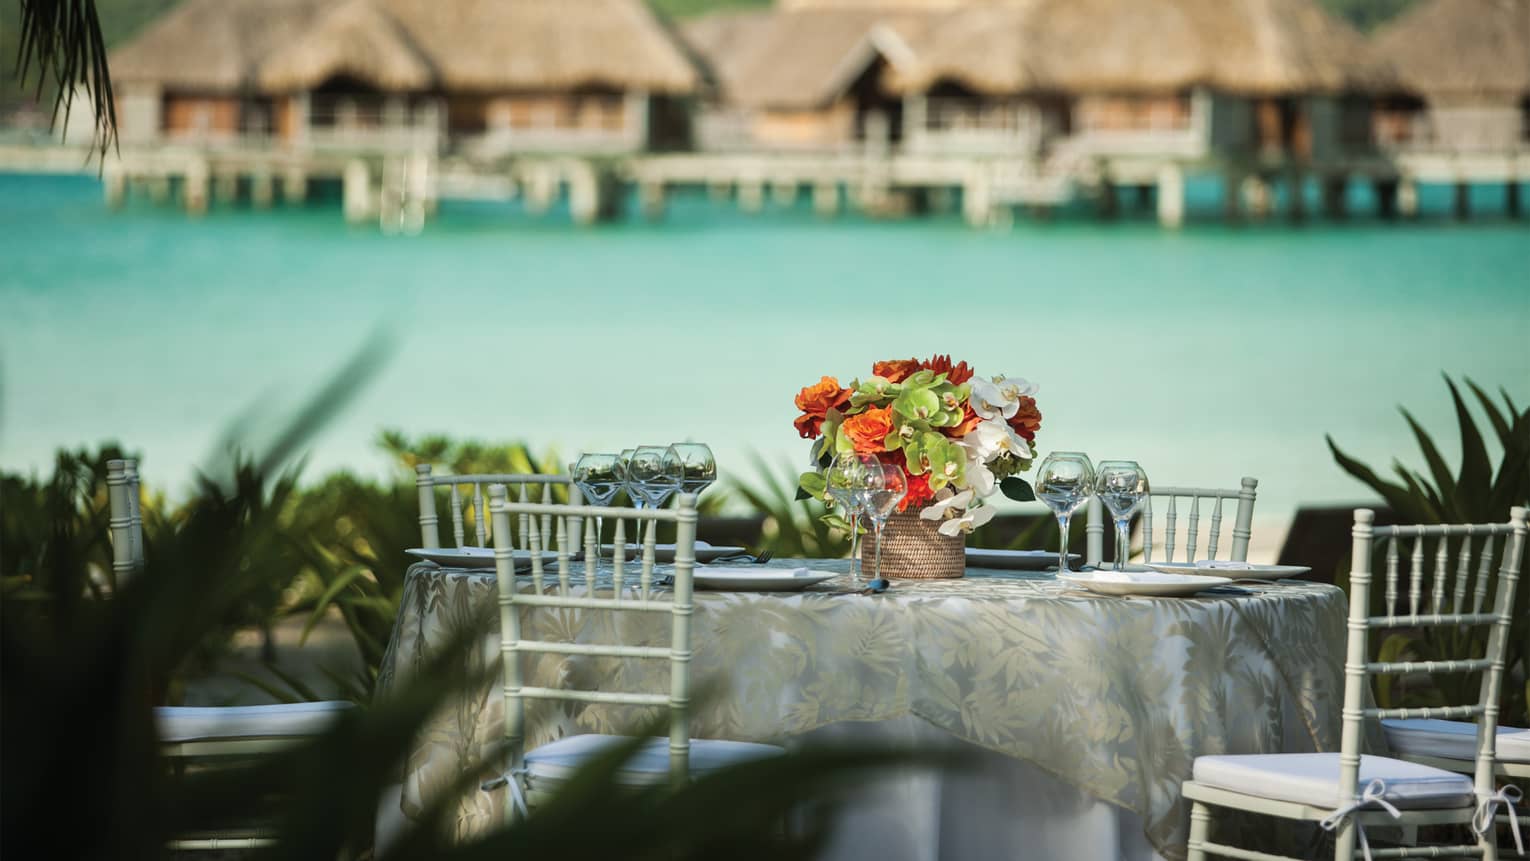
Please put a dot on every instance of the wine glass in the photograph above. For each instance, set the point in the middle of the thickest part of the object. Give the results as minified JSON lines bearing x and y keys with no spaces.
{"x":1064,"y":481}
{"x":1121,"y":485}
{"x":599,"y":477}
{"x":698,"y":468}
{"x":653,"y":474}
{"x":847,"y":480}
{"x":625,"y":460}
{"x":880,"y":502}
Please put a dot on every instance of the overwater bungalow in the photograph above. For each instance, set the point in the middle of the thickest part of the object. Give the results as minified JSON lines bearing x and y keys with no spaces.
{"x":1464,"y":77}
{"x":529,"y":75}
{"x":1184,"y":78}
{"x":806,"y":75}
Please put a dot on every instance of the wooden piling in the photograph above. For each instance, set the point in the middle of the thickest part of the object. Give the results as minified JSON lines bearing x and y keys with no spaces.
{"x":1407,"y":196}
{"x":226,"y":186}
{"x":194,"y":191}
{"x":1463,"y":203}
{"x":294,"y":185}
{"x":651,"y":195}
{"x":751,"y":195}
{"x":826,"y":198}
{"x":358,"y":193}
{"x":1171,"y":196}
{"x":262,"y":188}
{"x":1511,"y":202}
{"x":114,"y":185}
{"x":1386,"y":197}
{"x":1334,"y":188}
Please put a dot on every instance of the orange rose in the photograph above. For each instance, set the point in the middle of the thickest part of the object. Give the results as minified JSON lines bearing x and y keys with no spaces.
{"x":895,"y":370}
{"x":955,"y":374}
{"x":868,"y":431}
{"x":1027,"y":420}
{"x":815,"y":401}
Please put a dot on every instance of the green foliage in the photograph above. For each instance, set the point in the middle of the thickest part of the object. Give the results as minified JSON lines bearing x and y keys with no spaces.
{"x":795,"y":523}
{"x":1367,"y":15}
{"x":1473,"y":493}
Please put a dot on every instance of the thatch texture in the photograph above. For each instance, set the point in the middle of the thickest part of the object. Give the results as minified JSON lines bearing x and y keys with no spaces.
{"x":1461,"y":48}
{"x":1248,"y":46}
{"x":482,"y":45}
{"x":212,"y":44}
{"x":805,"y":59}
{"x":356,"y":39}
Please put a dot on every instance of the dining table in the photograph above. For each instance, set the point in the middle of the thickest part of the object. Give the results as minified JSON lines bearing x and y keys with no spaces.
{"x":1081,"y":713}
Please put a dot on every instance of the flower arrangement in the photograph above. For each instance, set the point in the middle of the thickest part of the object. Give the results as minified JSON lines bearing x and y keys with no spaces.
{"x":957,"y":437}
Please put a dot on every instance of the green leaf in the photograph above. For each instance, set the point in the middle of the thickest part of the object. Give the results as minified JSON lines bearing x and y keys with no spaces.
{"x":1476,"y":477}
{"x":1017,"y":489}
{"x":1444,"y":482}
{"x":1397,"y":497}
{"x":1500,"y":424}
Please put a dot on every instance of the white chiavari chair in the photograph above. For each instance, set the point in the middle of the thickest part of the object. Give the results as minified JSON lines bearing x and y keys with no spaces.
{"x":533,"y":775}
{"x":188,"y":733}
{"x":465,"y":501}
{"x":1346,"y":791}
{"x":1181,"y":510}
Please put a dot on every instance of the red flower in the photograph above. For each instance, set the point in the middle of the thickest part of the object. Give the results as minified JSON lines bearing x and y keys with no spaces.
{"x":919,"y":492}
{"x":815,"y":401}
{"x":1027,"y":420}
{"x":895,"y":370}
{"x":955,"y":374}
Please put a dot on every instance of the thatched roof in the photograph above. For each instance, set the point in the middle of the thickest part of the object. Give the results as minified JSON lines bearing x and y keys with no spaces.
{"x":357,"y":39}
{"x":800,"y":59}
{"x":212,"y":44}
{"x":1461,"y":47}
{"x":411,"y":44}
{"x":1249,"y":46}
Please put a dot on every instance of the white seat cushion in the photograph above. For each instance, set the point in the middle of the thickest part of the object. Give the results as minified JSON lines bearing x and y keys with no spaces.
{"x":1313,"y":778}
{"x":1453,"y":739}
{"x":190,"y":723}
{"x":560,"y":759}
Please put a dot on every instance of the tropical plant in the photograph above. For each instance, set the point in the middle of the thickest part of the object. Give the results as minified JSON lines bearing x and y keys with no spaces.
{"x":1473,"y":493}
{"x":61,"y":43}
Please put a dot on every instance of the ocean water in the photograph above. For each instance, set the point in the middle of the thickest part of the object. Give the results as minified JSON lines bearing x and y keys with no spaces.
{"x":1206,"y":354}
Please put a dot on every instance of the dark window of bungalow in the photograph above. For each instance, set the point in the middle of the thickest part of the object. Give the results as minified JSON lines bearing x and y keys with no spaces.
{"x":1395,"y":118}
{"x":1524,"y":117}
{"x":1355,"y":121}
{"x":345,"y":101}
{"x":872,"y":99}
{"x":596,"y":107}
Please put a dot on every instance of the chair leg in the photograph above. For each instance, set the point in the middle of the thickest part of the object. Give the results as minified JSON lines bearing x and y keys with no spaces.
{"x":1488,"y":843}
{"x":1200,"y":831}
{"x":1344,"y":840}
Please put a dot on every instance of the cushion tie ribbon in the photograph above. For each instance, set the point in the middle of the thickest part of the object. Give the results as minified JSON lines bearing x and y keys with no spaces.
{"x":512,"y":780}
{"x":1482,"y":820}
{"x":1374,"y":793}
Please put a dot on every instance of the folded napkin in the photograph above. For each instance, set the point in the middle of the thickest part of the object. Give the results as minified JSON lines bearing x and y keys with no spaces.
{"x":1223,"y":565}
{"x":1105,"y":576}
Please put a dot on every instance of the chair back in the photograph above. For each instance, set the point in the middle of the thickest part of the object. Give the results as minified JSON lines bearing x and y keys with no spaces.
{"x":1180,"y":511}
{"x":562,"y":594}
{"x":125,"y":518}
{"x":465,"y":495}
{"x":1464,"y":595}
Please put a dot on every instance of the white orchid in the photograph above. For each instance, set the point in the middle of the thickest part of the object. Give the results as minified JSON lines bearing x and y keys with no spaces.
{"x":948,"y":503}
{"x":993,"y":438}
{"x":974,"y":518}
{"x":999,"y":398}
{"x":978,"y":476}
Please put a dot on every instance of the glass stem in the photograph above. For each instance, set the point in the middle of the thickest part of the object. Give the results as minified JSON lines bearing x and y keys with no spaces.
{"x":878,"y":524}
{"x":855,"y":535}
{"x":1062,"y":543}
{"x":1123,"y":548}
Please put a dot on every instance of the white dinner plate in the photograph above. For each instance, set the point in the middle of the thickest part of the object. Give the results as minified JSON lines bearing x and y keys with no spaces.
{"x":475,"y":557}
{"x":753,"y":578}
{"x":665,"y":553}
{"x":1020,"y":560}
{"x":1147,"y":583}
{"x":1235,"y":570}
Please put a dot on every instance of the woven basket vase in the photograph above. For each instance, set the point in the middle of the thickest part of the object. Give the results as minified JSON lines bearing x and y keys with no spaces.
{"x":914,"y":549}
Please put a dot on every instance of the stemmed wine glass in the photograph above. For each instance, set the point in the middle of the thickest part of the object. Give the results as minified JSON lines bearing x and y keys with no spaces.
{"x":698,"y":468}
{"x":848,"y":479}
{"x":880,"y":502}
{"x":1064,"y":481}
{"x":599,"y":477}
{"x":1121,"y":485}
{"x":624,"y":460}
{"x":653,"y":474}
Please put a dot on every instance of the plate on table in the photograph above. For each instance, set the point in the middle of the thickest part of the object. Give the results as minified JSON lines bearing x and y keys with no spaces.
{"x":1019,"y":560}
{"x":665,"y":553}
{"x":753,"y":578}
{"x":1235,"y":570}
{"x":1145,"y":583}
{"x":475,"y":557}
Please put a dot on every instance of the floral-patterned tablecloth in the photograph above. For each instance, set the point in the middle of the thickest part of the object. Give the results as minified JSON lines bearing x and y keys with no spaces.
{"x":1115,"y":696}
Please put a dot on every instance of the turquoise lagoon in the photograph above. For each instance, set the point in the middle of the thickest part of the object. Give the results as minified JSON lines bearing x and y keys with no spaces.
{"x":1205,"y":354}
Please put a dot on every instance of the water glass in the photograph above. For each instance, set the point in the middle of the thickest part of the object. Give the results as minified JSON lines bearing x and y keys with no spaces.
{"x":1064,"y":481}
{"x":698,"y":468}
{"x":1121,"y":485}
{"x":599,"y":477}
{"x":848,"y":479}
{"x":880,"y":502}
{"x":653,"y":474}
